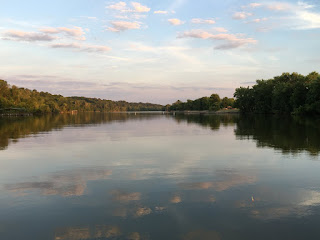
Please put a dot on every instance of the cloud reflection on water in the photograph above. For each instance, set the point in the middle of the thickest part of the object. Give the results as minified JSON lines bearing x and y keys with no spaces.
{"x":231,"y":180}
{"x":79,"y":233}
{"x":64,"y":183}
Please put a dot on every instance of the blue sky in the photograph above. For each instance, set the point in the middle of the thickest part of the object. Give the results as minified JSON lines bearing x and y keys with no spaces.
{"x":155,"y":51}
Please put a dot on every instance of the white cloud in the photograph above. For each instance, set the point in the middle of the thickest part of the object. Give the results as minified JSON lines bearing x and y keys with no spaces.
{"x":160,"y":12}
{"x":27,"y":36}
{"x":175,"y":21}
{"x":82,"y":47}
{"x":308,"y":20}
{"x":138,"y":7}
{"x":203,"y":21}
{"x":118,"y":6}
{"x":230,"y":40}
{"x":122,"y":7}
{"x":119,"y":26}
{"x":73,"y":32}
{"x":241,"y":15}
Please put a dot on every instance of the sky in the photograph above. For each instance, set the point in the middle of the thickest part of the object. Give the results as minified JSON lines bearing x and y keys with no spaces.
{"x":155,"y":51}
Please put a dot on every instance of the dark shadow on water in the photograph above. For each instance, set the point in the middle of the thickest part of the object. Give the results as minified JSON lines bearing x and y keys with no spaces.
{"x":290,"y":134}
{"x":286,"y":133}
{"x":13,"y":128}
{"x":214,"y":122}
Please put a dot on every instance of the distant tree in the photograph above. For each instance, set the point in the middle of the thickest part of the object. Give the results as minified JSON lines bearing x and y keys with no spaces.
{"x":214,"y":102}
{"x":226,"y":102}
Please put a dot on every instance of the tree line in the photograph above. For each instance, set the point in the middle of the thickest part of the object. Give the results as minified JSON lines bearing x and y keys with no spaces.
{"x":212,"y":103}
{"x":289,"y":93}
{"x":43,"y":102}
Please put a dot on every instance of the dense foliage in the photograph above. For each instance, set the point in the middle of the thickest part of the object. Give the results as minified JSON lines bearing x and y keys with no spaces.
{"x":288,"y":93}
{"x":42,"y":102}
{"x":212,"y":103}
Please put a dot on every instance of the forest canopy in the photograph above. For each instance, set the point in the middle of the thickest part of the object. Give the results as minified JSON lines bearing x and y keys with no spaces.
{"x":33,"y":101}
{"x":288,"y":93}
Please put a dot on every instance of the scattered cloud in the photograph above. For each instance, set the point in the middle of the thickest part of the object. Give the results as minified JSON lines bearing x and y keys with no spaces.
{"x":203,"y":21}
{"x":241,"y":15}
{"x":120,"y":26}
{"x":175,"y":21}
{"x":76,"y":32}
{"x":82,"y":47}
{"x":230,"y":40}
{"x":160,"y":12}
{"x":122,"y":7}
{"x":138,"y":7}
{"x":27,"y":36}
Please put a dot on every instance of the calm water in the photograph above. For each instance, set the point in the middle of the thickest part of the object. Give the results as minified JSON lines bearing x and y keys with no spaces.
{"x":154,"y":176}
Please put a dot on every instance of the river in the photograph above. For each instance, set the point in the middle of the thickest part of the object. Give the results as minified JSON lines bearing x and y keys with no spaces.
{"x":151,"y":176}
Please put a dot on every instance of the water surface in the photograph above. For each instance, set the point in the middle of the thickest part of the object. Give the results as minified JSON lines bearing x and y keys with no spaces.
{"x":153,"y":176}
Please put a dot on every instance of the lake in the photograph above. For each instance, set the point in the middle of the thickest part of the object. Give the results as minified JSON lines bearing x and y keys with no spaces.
{"x":155,"y":176}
